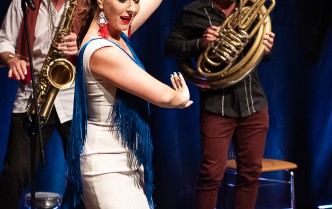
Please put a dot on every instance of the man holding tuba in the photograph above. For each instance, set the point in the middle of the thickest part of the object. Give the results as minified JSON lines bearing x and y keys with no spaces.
{"x":43,"y":23}
{"x":237,"y":112}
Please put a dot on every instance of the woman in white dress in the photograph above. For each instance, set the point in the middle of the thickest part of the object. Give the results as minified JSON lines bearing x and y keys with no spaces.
{"x":110,"y":132}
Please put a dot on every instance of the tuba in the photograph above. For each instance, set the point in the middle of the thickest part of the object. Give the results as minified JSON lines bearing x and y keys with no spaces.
{"x":57,"y":72}
{"x":237,"y":50}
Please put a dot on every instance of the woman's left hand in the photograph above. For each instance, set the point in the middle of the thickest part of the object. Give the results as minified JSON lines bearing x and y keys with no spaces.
{"x":180,"y":86}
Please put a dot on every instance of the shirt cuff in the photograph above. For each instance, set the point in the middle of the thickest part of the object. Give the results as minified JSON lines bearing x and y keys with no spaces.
{"x":6,"y":47}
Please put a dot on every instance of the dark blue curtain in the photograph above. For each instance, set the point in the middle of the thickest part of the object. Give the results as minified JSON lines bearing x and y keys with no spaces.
{"x":297,"y":82}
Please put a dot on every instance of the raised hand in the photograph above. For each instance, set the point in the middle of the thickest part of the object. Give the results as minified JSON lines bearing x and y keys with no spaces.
{"x":179,"y":85}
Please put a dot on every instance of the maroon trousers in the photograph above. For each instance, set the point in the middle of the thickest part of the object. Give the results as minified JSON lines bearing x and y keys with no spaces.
{"x":248,"y":135}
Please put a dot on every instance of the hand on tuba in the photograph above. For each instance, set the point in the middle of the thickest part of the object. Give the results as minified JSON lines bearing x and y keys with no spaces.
{"x":210,"y":35}
{"x":268,"y":42}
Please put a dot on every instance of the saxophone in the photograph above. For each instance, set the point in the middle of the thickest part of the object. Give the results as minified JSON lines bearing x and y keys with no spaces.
{"x":57,"y":72}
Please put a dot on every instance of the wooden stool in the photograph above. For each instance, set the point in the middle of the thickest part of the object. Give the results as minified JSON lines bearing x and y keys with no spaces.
{"x":270,"y":165}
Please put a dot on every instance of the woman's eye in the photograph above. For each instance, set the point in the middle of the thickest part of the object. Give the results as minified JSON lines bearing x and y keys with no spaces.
{"x":123,"y":1}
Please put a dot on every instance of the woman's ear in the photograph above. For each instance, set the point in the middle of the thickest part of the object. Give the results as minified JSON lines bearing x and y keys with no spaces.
{"x":100,"y":4}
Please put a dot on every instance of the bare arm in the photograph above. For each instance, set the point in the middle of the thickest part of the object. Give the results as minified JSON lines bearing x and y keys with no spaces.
{"x":147,"y":7}
{"x":123,"y":73}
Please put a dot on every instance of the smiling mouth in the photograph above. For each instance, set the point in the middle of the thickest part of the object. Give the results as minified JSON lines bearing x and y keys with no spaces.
{"x":126,"y":19}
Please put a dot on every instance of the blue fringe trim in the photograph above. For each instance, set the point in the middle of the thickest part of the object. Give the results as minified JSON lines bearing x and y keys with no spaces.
{"x":135,"y":129}
{"x":135,"y":133}
{"x":130,"y":115}
{"x":74,"y":187}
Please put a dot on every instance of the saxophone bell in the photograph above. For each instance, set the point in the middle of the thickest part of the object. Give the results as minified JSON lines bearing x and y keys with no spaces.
{"x":61,"y":73}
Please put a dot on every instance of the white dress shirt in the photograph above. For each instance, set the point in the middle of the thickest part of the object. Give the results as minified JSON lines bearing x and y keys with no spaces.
{"x":43,"y":38}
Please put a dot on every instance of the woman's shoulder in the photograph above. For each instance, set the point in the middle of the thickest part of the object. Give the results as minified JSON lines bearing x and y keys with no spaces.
{"x":92,"y":45}
{"x":96,"y":43}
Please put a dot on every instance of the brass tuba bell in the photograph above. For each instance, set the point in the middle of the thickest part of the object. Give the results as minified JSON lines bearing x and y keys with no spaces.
{"x":237,"y":50}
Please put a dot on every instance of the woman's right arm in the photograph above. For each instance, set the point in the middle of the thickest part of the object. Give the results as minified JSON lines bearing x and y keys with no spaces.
{"x":122,"y":72}
{"x":147,"y":7}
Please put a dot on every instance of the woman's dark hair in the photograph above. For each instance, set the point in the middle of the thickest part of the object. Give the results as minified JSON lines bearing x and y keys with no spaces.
{"x":84,"y":18}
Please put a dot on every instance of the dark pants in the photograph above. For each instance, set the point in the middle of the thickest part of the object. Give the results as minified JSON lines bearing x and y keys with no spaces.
{"x":248,"y":136}
{"x":16,"y":173}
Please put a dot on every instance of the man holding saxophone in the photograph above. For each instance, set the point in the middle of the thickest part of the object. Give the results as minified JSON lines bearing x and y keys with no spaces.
{"x":42,"y":22}
{"x":235,"y":112}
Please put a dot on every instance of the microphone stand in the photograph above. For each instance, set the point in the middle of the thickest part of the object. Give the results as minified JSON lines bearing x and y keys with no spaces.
{"x":35,"y":121}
